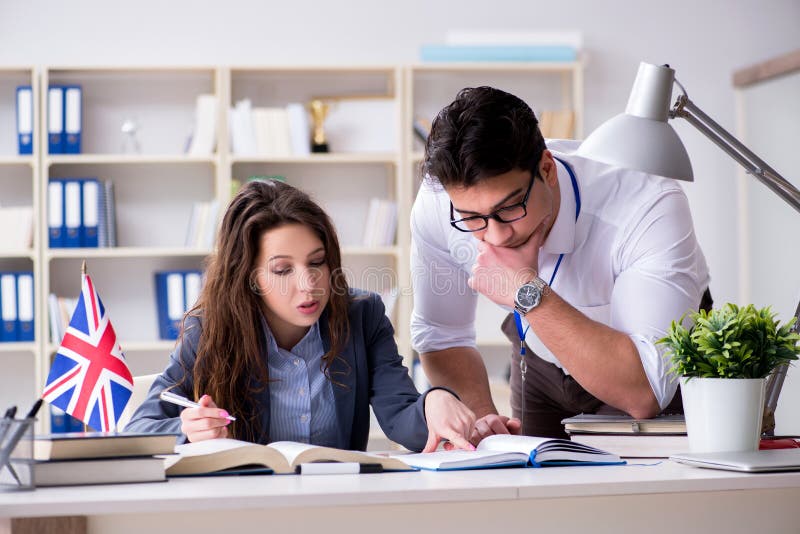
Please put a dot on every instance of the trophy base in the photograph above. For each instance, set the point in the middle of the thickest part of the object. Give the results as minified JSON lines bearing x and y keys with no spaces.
{"x":319,"y":148}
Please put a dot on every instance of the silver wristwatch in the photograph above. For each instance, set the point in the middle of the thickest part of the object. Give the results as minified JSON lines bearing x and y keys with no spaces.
{"x":530,"y":295}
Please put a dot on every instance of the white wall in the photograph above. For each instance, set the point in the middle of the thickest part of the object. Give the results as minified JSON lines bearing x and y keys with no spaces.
{"x":705,"y":41}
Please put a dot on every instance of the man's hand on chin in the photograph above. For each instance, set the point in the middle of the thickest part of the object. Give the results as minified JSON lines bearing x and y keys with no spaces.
{"x":499,"y":271}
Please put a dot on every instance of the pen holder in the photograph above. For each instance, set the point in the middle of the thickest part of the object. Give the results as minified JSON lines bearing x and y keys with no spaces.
{"x":16,"y":454}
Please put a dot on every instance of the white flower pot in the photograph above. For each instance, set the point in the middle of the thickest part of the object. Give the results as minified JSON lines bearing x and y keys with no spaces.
{"x":723,"y":414}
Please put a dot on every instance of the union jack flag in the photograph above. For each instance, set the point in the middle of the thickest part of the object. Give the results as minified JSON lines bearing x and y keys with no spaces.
{"x":89,"y":378}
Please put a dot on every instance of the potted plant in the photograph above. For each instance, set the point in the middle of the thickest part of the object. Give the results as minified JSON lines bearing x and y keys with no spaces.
{"x":723,"y":361}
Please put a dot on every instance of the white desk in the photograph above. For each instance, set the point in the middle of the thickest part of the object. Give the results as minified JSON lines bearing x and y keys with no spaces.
{"x":666,"y":498}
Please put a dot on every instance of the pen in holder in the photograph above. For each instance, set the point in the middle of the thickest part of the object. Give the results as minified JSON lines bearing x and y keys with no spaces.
{"x":16,"y":454}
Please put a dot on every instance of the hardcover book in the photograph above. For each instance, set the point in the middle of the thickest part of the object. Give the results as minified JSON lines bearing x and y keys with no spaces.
{"x":217,"y":455}
{"x":504,"y":450}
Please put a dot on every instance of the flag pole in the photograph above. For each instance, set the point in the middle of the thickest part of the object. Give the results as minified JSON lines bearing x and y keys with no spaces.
{"x":83,"y":273}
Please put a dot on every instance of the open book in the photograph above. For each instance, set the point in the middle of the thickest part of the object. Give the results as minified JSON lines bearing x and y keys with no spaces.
{"x":504,"y":450}
{"x":217,"y":455}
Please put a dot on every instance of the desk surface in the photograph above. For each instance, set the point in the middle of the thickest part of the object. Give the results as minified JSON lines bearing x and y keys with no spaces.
{"x":287,"y":491}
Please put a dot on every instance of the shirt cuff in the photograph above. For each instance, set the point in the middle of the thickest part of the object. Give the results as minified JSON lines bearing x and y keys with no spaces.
{"x":656,"y":366}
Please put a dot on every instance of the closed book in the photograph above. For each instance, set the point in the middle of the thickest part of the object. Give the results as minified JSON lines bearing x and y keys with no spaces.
{"x":491,"y":53}
{"x":624,"y":424}
{"x":8,"y":307}
{"x":55,"y":119}
{"x":636,"y":445}
{"x":73,"y":119}
{"x":220,"y":455}
{"x":83,"y":445}
{"x":25,"y":120}
{"x":73,"y":217}
{"x":507,"y":451}
{"x":55,"y":213}
{"x":90,"y":212}
{"x":170,"y":302}
{"x":25,"y":306}
{"x":98,"y":471}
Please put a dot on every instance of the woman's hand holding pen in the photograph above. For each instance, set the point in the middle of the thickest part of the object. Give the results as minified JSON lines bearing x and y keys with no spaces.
{"x":448,"y":418}
{"x":204,"y":422}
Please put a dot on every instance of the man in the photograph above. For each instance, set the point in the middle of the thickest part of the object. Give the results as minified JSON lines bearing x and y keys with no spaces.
{"x":596,"y":260}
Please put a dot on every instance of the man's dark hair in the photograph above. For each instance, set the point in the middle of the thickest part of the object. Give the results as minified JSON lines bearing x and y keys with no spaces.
{"x":484,"y":132}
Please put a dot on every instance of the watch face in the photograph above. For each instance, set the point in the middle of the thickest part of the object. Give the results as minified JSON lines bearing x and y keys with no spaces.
{"x":529,"y":296}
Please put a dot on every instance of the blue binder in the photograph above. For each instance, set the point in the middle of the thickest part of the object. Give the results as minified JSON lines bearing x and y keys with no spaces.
{"x":25,"y":306}
{"x":8,"y":307}
{"x":55,"y":119}
{"x":170,"y":290}
{"x":90,"y":216}
{"x":25,"y":120}
{"x":55,"y":213}
{"x":58,"y":420}
{"x":73,"y":118}
{"x":73,"y":216}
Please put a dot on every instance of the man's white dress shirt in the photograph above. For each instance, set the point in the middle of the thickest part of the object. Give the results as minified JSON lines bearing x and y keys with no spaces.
{"x":631,"y":261}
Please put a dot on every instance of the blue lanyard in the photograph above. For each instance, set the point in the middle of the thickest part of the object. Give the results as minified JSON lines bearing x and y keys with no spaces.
{"x":517,"y":319}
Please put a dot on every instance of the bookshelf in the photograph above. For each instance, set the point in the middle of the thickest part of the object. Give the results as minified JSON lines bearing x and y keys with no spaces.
{"x":155,"y":188}
{"x":19,"y":187}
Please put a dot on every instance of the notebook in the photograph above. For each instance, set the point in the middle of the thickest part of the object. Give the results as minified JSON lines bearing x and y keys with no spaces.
{"x":748,"y":462}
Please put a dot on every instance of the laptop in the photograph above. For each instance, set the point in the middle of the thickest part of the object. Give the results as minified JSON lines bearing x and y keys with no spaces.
{"x":749,"y":462}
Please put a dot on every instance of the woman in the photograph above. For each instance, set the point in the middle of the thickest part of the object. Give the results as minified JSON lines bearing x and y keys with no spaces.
{"x":278,"y":340}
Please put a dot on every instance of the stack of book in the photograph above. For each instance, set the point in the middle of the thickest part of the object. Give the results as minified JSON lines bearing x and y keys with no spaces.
{"x":202,"y":229}
{"x":81,"y":213}
{"x":100,"y":458}
{"x":269,"y":131}
{"x":503,"y":45}
{"x":627,"y":437}
{"x":381,"y":224}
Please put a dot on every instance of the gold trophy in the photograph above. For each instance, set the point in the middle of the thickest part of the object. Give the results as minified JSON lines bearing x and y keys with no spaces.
{"x":319,"y":110}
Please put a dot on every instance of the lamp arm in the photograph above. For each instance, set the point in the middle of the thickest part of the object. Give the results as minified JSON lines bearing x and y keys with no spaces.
{"x":686,"y":109}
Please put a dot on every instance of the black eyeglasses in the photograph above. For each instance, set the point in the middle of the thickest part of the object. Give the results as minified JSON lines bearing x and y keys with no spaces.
{"x":506,"y":214}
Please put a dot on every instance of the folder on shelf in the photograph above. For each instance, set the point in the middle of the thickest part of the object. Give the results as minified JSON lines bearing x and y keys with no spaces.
{"x":25,"y":120}
{"x":192,"y":284}
{"x":55,"y":119}
{"x":72,"y":214}
{"x":55,"y":213}
{"x":73,"y":122}
{"x":90,"y":211}
{"x":8,"y":306}
{"x":171,"y":302}
{"x":25,"y":306}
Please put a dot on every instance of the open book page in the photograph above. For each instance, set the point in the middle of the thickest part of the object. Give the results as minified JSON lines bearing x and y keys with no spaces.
{"x":460,"y":459}
{"x":511,"y":443}
{"x":213,"y":455}
{"x":552,"y":450}
{"x":298,"y":453}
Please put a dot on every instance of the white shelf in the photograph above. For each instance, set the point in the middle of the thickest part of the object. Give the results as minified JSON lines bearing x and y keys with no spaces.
{"x":16,"y":254}
{"x":371,"y":251}
{"x":126,"y":252}
{"x":378,"y":157}
{"x":493,"y":341}
{"x":18,"y":347}
{"x":127,"y":159}
{"x":132,"y":346}
{"x":16,"y":160}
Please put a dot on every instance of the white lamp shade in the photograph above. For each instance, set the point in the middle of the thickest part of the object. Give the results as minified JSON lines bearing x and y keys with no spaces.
{"x":640,"y":138}
{"x":639,"y":144}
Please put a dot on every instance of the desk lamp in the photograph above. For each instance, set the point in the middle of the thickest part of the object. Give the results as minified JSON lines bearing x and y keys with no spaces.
{"x":641,"y":139}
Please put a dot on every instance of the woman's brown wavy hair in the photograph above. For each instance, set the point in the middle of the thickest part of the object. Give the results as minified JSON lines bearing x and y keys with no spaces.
{"x":230,"y":364}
